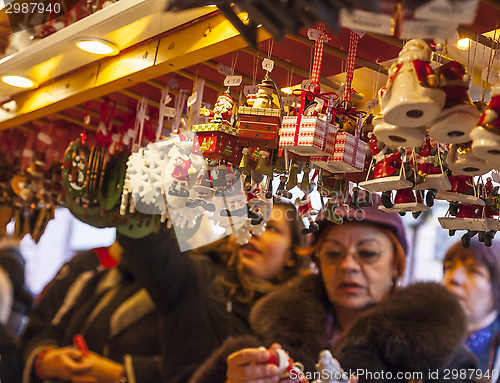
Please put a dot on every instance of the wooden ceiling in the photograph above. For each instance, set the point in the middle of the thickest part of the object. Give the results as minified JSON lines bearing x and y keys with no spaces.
{"x":292,"y":57}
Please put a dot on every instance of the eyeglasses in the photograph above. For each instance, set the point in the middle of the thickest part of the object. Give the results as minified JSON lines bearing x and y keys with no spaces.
{"x":362,"y":257}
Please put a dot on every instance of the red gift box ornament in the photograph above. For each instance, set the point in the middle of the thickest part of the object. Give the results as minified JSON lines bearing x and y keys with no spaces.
{"x":310,"y":135}
{"x":260,"y":121}
{"x":217,"y":140}
{"x":348,"y":154}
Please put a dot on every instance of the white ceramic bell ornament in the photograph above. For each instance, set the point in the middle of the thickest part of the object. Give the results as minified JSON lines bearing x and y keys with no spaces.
{"x":461,"y":160}
{"x":411,"y":97}
{"x":459,"y":114}
{"x":396,"y":135}
{"x":486,"y":136}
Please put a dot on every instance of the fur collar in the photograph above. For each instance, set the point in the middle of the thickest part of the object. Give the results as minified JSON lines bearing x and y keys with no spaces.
{"x":419,"y":327}
{"x":301,"y":310}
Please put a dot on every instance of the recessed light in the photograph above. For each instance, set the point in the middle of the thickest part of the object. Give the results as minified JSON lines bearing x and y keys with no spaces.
{"x":98,"y":46}
{"x":463,"y":44}
{"x":19,"y":81}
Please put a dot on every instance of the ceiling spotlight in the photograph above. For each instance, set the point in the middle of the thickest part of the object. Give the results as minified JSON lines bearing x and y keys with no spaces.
{"x":19,"y":81}
{"x":97,"y":46}
{"x":463,"y":44}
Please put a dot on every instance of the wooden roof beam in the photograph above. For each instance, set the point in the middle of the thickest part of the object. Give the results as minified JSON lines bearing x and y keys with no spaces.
{"x":203,"y":40}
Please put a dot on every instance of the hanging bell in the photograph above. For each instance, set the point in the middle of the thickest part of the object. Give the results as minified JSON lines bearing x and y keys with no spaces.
{"x":355,"y":200}
{"x":292,"y":177}
{"x":261,"y":167}
{"x":331,"y":213}
{"x":245,"y":162}
{"x":305,"y":184}
{"x":281,"y":191}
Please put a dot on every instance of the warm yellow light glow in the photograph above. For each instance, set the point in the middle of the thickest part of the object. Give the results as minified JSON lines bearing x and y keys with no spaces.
{"x":287,"y":90}
{"x":19,"y":81}
{"x":463,"y":44}
{"x":97,"y":46}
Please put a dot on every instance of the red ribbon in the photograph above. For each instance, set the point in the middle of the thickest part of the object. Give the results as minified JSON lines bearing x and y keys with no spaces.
{"x":351,"y":57}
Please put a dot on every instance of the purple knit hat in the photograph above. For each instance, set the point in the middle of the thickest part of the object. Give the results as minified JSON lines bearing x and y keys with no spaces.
{"x":371,"y":215}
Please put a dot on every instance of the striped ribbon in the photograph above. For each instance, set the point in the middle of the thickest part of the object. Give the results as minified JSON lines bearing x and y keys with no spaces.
{"x":318,"y":54}
{"x":351,"y":57}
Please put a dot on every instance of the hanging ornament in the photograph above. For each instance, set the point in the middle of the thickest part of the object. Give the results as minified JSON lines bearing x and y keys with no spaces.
{"x":459,"y":114}
{"x":486,"y":136}
{"x":411,"y":98}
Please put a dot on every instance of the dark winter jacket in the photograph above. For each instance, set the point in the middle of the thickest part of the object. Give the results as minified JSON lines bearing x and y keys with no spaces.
{"x":117,"y":318}
{"x":195,"y":315}
{"x":420,"y":328}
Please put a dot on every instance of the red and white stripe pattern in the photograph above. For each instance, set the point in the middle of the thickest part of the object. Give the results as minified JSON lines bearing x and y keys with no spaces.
{"x":318,"y":54}
{"x":351,"y":57}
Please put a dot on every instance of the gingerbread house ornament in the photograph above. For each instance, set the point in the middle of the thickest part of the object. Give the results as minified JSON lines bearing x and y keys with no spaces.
{"x":412,"y":98}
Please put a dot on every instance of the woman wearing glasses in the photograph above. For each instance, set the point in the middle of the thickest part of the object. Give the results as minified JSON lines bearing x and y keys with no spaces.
{"x":361,"y":263}
{"x":473,"y":276}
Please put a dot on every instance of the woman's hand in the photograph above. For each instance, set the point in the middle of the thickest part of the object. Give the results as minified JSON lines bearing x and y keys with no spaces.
{"x":103,"y":369}
{"x":65,"y":363}
{"x":250,"y":365}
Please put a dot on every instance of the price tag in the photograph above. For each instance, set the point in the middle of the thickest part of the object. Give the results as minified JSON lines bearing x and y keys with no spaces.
{"x":495,"y":176}
{"x":428,"y":29}
{"x":372,"y":104}
{"x":169,"y":112}
{"x":304,"y":85}
{"x":461,"y":12}
{"x":359,"y":32}
{"x":366,"y":21}
{"x":341,"y":92}
{"x":44,"y":137}
{"x":288,"y":100}
{"x":250,"y":89}
{"x":491,"y":78}
{"x":267,"y":65}
{"x":233,"y":80}
{"x":320,"y":104}
{"x":224,"y":69}
{"x":192,"y":99}
{"x":314,"y":34}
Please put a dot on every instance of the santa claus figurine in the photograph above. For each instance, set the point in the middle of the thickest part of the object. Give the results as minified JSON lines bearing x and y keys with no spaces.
{"x":264,"y":97}
{"x":387,"y":163}
{"x":459,"y":114}
{"x":183,"y":170}
{"x":306,"y":211}
{"x":222,"y":110}
{"x":486,"y":136}
{"x":412,"y":97}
